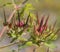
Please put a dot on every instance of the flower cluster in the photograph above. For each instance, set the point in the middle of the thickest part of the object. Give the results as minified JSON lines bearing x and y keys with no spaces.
{"x":44,"y":33}
{"x":38,"y":29}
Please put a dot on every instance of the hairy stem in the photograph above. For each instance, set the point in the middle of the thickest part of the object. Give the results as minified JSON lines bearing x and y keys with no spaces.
{"x":5,"y":27}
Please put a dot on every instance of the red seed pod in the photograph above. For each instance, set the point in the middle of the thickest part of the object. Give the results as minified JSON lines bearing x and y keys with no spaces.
{"x":41,"y":30}
{"x":45,"y":24}
{"x":20,"y":24}
{"x":41,"y":23}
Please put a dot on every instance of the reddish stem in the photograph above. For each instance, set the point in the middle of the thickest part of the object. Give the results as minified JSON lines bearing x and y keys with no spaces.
{"x":5,"y":27}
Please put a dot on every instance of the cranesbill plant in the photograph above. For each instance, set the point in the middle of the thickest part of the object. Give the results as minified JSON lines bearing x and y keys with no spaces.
{"x":37,"y":28}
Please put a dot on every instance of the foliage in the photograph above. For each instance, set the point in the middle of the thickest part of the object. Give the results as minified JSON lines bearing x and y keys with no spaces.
{"x":38,"y":30}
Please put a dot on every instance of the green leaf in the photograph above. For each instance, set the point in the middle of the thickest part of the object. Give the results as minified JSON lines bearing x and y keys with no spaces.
{"x":13,"y":35}
{"x":32,"y":16}
{"x":53,"y":36}
{"x":28,"y":8}
{"x":29,"y":43}
{"x":35,"y":45}
{"x":22,"y":39}
{"x":50,"y":45}
{"x":21,"y":32}
{"x":22,"y":12}
{"x":28,"y":30}
{"x":23,"y":46}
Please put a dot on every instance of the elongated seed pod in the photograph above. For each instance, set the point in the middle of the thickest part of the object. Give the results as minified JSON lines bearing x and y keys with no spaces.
{"x":46,"y":21}
{"x":38,"y":21}
{"x":41,"y":23}
{"x":27,"y":19}
{"x":18,"y":15}
{"x":5,"y":22}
